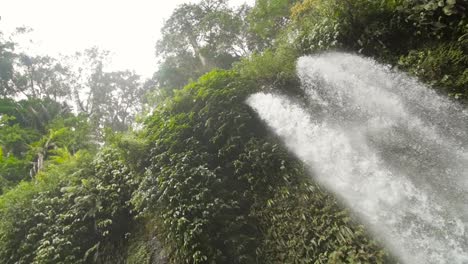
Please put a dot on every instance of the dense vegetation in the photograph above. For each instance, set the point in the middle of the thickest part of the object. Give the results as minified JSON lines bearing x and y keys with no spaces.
{"x":201,"y":180}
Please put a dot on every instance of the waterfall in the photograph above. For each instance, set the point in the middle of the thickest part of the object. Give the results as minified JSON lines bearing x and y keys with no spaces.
{"x":391,"y":149}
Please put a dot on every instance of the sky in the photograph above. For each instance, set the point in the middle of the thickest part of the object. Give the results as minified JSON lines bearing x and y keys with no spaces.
{"x":128,"y":29}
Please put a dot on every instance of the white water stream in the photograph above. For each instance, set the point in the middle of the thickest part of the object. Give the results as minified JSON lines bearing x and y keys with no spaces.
{"x":390,"y":148}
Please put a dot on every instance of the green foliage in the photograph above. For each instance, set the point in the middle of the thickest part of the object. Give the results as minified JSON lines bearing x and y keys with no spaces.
{"x":378,"y":28}
{"x":272,"y":69}
{"x":33,"y":113}
{"x":369,"y":27}
{"x":14,"y":139}
{"x":184,"y":184}
{"x":442,"y":20}
{"x":33,"y":131}
{"x":444,"y":67}
{"x":317,"y":230}
{"x":26,"y":215}
{"x":75,"y":133}
{"x":14,"y":145}
{"x":266,"y":21}
{"x":426,"y":37}
{"x":12,"y":170}
{"x":176,"y":71}
{"x":71,"y":214}
{"x":138,"y":253}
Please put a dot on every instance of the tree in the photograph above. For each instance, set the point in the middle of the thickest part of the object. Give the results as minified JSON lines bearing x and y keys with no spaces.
{"x":41,"y":77}
{"x":267,"y":19}
{"x":34,"y":131}
{"x":200,"y":37}
{"x":109,"y":99}
{"x":6,"y":66}
{"x":118,"y":107}
{"x":31,"y":76}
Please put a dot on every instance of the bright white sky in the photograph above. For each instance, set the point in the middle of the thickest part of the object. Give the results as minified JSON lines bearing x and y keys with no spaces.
{"x":129,"y":29}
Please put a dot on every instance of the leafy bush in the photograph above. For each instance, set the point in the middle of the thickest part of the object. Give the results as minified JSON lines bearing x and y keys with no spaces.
{"x":272,"y":69}
{"x":71,"y":214}
{"x":366,"y":26}
{"x":267,"y":19}
{"x":426,"y":37}
{"x":444,"y":67}
{"x":436,"y":20}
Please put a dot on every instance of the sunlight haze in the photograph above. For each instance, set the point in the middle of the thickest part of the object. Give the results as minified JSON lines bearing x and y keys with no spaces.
{"x":128,"y":29}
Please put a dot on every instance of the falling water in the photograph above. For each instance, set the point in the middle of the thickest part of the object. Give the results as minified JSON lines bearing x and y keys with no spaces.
{"x":393,"y":150}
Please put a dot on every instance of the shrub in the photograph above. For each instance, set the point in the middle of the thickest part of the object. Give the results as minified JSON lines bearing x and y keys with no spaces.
{"x":72,"y":213}
{"x":444,"y":67}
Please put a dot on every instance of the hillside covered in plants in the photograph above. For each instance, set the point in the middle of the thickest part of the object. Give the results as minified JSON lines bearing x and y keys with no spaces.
{"x":102,"y":166}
